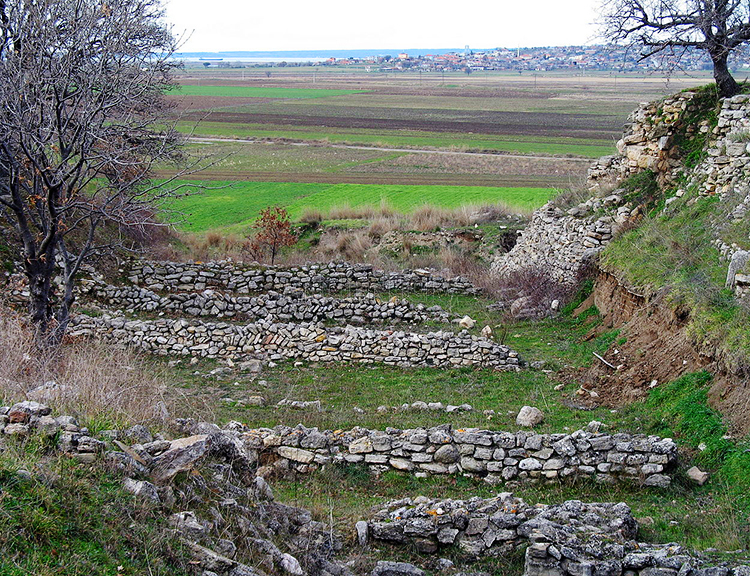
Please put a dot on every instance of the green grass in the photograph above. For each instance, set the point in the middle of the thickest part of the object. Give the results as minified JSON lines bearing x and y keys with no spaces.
{"x":76,"y":519}
{"x":236,"y":206}
{"x":260,"y":92}
{"x":340,"y":387}
{"x":406,"y":139}
{"x":675,"y":251}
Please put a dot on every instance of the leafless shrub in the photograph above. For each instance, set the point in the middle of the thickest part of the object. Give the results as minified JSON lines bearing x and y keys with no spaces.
{"x":92,"y":381}
{"x":494,"y":213}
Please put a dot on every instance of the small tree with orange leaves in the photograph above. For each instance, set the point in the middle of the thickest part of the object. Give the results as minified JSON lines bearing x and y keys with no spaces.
{"x":273,"y":231}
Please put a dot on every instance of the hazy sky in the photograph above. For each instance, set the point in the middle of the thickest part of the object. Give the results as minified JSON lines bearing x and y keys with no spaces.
{"x":218,"y":25}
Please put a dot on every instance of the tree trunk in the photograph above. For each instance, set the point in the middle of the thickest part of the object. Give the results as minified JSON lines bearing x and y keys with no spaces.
{"x":726,"y":84}
{"x":40,"y":289}
{"x":62,"y":316}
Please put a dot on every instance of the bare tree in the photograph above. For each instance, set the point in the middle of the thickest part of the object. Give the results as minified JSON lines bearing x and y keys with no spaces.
{"x":673,"y":26}
{"x":82,"y":122}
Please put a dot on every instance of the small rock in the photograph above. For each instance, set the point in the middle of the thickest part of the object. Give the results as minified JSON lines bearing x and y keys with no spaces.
{"x":529,"y":416}
{"x":697,"y":475}
{"x":141,"y":489}
{"x":30,"y":408}
{"x":362,"y":532}
{"x":16,"y":429}
{"x":187,"y":522}
{"x":291,"y":565}
{"x":443,"y":564}
{"x":466,"y":323}
{"x":385,"y":568}
{"x":138,"y":434}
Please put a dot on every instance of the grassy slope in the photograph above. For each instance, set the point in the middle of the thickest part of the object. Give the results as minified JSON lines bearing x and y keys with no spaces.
{"x":76,"y":519}
{"x":674,"y":250}
{"x":238,"y":204}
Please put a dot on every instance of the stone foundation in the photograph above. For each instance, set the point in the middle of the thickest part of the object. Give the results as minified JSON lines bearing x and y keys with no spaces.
{"x":290,"y":306}
{"x":327,"y":278}
{"x":310,"y":342}
{"x":495,"y":456}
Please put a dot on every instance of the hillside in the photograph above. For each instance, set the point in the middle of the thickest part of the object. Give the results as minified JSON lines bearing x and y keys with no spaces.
{"x":588,"y":415}
{"x":667,"y":225}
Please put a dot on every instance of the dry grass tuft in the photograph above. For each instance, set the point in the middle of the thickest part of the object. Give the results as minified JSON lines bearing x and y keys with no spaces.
{"x":381,"y":225}
{"x":92,"y":381}
{"x":351,"y":246}
{"x":312,"y":216}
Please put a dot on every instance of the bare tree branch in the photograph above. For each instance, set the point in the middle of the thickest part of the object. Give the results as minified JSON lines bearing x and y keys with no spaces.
{"x":657,"y":26}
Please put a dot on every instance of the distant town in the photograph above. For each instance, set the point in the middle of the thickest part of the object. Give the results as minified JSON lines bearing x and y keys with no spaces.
{"x":613,"y":58}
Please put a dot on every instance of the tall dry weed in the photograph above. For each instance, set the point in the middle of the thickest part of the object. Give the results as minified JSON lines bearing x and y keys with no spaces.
{"x":93,"y":381}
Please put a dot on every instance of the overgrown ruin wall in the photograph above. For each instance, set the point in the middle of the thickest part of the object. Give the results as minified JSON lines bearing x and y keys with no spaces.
{"x":304,"y":341}
{"x":326,"y":278}
{"x":556,"y":244}
{"x":495,"y":456}
{"x":569,"y":539}
{"x":560,"y":243}
{"x":292,"y":305}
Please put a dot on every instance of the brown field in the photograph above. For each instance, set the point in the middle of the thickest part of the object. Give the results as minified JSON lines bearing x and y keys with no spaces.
{"x":501,"y":123}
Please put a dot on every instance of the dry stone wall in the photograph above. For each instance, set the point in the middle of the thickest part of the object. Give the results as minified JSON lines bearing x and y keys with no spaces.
{"x":495,"y":456}
{"x":648,"y":143}
{"x":559,"y":243}
{"x":304,"y":341}
{"x":556,"y":244}
{"x":292,"y":305}
{"x":327,"y":278}
{"x":493,"y":526}
{"x":569,"y":539}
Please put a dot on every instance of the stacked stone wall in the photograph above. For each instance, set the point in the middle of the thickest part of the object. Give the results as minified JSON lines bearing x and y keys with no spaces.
{"x":556,"y":244}
{"x":569,"y":539}
{"x":326,"y":278}
{"x":292,"y":305}
{"x":303,"y":341}
{"x":495,"y":456}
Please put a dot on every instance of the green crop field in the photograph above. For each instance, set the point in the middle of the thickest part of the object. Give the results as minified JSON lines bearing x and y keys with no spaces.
{"x":236,"y":205}
{"x":260,"y":92}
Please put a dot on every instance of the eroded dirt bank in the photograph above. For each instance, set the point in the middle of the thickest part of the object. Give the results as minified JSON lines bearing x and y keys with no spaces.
{"x":653,"y":348}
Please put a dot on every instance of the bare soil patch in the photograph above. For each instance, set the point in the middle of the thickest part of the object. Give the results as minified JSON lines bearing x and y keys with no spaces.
{"x":500,"y":123}
{"x":184,"y":103}
{"x":500,"y":165}
{"x":654,"y":349}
